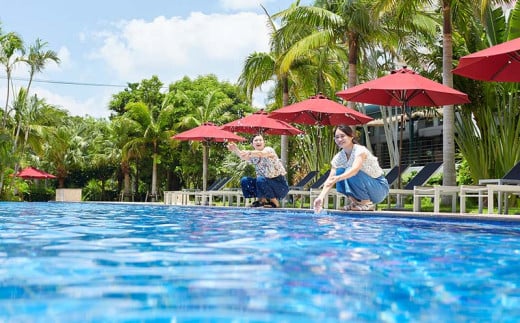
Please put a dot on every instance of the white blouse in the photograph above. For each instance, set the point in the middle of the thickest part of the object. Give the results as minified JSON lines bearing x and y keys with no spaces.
{"x":370,"y":166}
{"x":269,"y":167}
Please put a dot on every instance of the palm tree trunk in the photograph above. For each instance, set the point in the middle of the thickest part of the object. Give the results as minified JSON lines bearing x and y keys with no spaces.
{"x":449,"y":177}
{"x":126,"y":182}
{"x":353,"y":49}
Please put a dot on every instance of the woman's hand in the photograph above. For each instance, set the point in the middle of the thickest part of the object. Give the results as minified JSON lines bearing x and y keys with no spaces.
{"x":318,"y":205}
{"x":232,"y":146}
{"x":244,"y":154}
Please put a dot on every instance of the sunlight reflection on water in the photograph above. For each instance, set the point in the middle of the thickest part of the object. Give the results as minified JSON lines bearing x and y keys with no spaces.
{"x":65,"y":262}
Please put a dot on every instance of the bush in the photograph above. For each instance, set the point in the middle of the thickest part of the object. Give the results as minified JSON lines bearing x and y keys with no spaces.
{"x":39,"y":194}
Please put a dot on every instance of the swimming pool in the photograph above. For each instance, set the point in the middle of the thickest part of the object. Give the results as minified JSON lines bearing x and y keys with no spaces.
{"x":86,"y":262}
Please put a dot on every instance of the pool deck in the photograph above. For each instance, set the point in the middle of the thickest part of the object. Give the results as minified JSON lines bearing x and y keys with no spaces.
{"x":389,"y":213}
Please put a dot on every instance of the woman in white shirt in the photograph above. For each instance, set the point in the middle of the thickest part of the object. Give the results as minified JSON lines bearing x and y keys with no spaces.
{"x":356,"y":173}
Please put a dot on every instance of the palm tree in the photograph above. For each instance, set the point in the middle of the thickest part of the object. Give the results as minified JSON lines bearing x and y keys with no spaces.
{"x":346,"y":29}
{"x":11,"y":52}
{"x":491,"y":127}
{"x":213,"y":108}
{"x":260,"y":68}
{"x":451,"y":9}
{"x":346,"y":25}
{"x":38,"y":58}
{"x":153,"y":125}
{"x":64,"y":148}
{"x":122,"y":131}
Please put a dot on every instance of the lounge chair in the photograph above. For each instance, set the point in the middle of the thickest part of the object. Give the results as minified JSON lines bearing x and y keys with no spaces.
{"x":211,"y":192}
{"x":512,"y":177}
{"x":435,"y":192}
{"x":183,"y":197}
{"x":303,"y":193}
{"x":488,"y":187}
{"x":299,"y":186}
{"x":304,"y":181}
{"x":503,"y":189}
{"x":419,"y":179}
{"x":478,"y":191}
{"x":394,"y":173}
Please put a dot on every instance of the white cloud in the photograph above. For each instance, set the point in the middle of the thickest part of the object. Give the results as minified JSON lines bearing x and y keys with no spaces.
{"x":243,"y":4}
{"x":170,"y":48}
{"x":95,"y":106}
{"x":174,"y":47}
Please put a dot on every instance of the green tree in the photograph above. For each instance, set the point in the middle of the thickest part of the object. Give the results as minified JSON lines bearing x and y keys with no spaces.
{"x":64,"y":147}
{"x":37,"y":58}
{"x":260,"y":68}
{"x":460,"y":10}
{"x":211,"y":109}
{"x":154,"y":127}
{"x":122,"y":131}
{"x":11,"y":52}
{"x":491,"y":127}
{"x":102,"y":156}
{"x":197,"y":101}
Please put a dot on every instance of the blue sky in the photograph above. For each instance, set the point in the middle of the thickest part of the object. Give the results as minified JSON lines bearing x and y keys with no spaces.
{"x":114,"y":42}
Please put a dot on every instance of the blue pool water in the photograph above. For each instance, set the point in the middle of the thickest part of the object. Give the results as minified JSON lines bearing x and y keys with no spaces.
{"x":81,"y":262}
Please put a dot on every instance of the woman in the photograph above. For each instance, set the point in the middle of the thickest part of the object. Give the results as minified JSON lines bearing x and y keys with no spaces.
{"x":270,"y":184}
{"x":356,"y":173}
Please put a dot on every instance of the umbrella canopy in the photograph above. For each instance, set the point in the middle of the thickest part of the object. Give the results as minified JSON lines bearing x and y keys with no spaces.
{"x":206,"y":133}
{"x":500,"y":63}
{"x":260,"y":123}
{"x":33,"y":173}
{"x":319,"y":110}
{"x":404,"y":88}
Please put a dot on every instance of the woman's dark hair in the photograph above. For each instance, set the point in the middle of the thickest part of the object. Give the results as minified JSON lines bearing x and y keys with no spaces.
{"x":348,"y":131}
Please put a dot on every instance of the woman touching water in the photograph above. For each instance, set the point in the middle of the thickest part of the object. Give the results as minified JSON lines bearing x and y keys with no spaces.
{"x":356,"y":173}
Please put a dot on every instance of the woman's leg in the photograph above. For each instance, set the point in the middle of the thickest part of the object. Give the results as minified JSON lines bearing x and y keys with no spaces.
{"x":273,"y":189}
{"x":363,"y":187}
{"x":248,"y":185}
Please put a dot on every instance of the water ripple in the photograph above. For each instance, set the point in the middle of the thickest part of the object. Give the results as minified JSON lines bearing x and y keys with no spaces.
{"x":64,"y":262}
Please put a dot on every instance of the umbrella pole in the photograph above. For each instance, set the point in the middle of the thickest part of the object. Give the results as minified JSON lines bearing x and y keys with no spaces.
{"x":205,"y":149}
{"x":399,"y":199}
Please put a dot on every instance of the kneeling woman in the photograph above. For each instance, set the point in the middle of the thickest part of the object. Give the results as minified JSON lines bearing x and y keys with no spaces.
{"x":270,"y":184}
{"x":356,"y":173}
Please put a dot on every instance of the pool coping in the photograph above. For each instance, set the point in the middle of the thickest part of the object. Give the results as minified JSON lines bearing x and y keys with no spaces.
{"x":386,"y":213}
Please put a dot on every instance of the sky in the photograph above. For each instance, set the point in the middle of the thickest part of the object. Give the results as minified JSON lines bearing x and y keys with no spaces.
{"x":104,"y":45}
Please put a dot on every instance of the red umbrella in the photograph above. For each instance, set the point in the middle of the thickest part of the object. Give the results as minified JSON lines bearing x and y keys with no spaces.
{"x":206,"y":133}
{"x":33,"y":173}
{"x":319,"y":110}
{"x":500,"y":63}
{"x":404,"y":88}
{"x":260,"y":123}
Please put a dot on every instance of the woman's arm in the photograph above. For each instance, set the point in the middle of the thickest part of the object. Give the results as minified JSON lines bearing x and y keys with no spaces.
{"x":356,"y":167}
{"x":242,"y":154}
{"x":267,"y":152}
{"x":333,"y":179}
{"x":318,"y":202}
